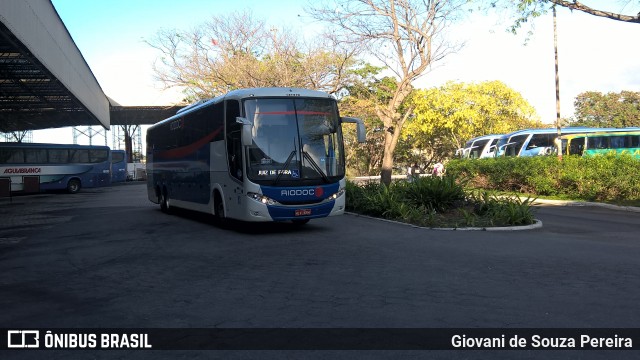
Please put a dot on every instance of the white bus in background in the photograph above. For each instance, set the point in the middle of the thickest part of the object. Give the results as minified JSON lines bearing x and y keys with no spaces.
{"x":266,"y":154}
{"x":534,"y":142}
{"x":479,"y":147}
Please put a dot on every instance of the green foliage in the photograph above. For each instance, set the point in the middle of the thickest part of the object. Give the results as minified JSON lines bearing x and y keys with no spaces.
{"x":445,"y":117}
{"x":607,"y":110}
{"x":593,"y":178}
{"x":436,"y":202}
{"x":504,"y":209}
{"x":525,"y":11}
{"x":436,"y":193}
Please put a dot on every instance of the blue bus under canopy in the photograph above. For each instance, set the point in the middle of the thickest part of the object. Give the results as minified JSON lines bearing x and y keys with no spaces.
{"x":32,"y":167}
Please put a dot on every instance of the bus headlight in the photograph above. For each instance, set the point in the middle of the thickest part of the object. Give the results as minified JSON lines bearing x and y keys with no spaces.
{"x":337,"y":195}
{"x":263,"y":199}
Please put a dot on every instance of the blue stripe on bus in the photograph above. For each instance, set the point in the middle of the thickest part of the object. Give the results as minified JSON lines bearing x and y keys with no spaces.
{"x":185,"y":151}
{"x":300,"y":194}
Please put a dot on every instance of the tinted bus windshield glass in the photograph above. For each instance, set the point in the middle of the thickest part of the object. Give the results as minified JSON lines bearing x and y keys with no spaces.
{"x":515,"y":144}
{"x":478,"y":147}
{"x":294,"y":139}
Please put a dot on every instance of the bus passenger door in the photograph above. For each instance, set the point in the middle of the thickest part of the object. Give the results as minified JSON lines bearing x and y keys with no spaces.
{"x":234,"y":196}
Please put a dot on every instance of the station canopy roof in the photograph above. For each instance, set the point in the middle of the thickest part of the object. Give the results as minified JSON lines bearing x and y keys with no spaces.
{"x":62,"y":93}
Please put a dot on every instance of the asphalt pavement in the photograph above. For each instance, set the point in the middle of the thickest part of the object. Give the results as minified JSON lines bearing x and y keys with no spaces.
{"x":108,"y":258}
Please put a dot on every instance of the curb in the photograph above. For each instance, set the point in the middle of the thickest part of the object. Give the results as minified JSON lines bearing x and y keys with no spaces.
{"x":536,"y":225}
{"x":587,"y":203}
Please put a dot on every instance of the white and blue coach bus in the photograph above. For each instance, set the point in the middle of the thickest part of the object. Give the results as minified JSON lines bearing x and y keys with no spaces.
{"x":264,"y":154}
{"x":32,"y":167}
{"x":479,"y":147}
{"x":532,"y":142}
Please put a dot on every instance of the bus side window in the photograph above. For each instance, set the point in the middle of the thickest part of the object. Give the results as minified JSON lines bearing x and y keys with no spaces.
{"x":79,"y":156}
{"x":617,"y":142}
{"x":577,"y":146}
{"x":35,"y":156}
{"x":11,"y":156}
{"x":234,"y":141}
{"x":598,"y":142}
{"x":58,"y":156}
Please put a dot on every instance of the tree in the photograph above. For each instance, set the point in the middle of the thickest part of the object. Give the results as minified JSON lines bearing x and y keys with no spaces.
{"x":236,"y":50}
{"x":528,"y":9}
{"x":596,"y":109}
{"x":362,"y":159}
{"x":406,"y":36}
{"x":129,"y":131}
{"x":447,"y":116}
{"x":575,"y":5}
{"x":362,"y":98}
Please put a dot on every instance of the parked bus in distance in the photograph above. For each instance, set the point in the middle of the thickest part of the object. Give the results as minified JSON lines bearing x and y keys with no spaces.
{"x":479,"y":147}
{"x":35,"y":167}
{"x":265,"y":154}
{"x":618,"y":142}
{"x":118,"y":166}
{"x":532,"y":142}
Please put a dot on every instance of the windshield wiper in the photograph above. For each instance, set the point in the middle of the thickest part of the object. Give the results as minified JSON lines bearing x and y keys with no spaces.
{"x":286,"y":165}
{"x":315,"y":166}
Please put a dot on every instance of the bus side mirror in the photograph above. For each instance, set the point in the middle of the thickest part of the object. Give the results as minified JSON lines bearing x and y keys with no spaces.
{"x":247,"y":129}
{"x":361,"y":131}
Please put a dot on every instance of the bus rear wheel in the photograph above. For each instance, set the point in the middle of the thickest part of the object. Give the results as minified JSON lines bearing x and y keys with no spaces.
{"x":164,"y":203}
{"x":73,"y":186}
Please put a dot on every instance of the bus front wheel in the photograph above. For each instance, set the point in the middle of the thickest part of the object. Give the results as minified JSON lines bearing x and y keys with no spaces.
{"x":73,"y":186}
{"x":218,"y":208}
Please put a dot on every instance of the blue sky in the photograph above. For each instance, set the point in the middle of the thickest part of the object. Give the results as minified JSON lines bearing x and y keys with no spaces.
{"x":595,"y":54}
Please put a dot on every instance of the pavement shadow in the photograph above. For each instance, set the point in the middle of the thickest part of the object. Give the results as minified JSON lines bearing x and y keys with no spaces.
{"x":246,"y":227}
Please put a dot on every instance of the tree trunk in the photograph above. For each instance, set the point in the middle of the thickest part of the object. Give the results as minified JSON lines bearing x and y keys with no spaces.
{"x":391,"y":137}
{"x":387,"y":161}
{"x":128,"y":147}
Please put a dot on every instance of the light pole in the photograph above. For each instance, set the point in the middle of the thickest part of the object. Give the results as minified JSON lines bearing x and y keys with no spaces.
{"x":555,"y":48}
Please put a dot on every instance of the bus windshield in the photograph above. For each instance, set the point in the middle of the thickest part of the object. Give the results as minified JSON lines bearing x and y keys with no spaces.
{"x":294,"y":140}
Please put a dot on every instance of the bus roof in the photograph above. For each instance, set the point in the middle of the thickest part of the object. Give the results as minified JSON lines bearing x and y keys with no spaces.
{"x":571,"y":129}
{"x":490,"y":136}
{"x":276,"y":92}
{"x":618,"y":132}
{"x":249,"y":93}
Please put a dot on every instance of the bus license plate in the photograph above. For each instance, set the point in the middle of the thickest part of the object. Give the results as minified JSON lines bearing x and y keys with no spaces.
{"x":303,"y":212}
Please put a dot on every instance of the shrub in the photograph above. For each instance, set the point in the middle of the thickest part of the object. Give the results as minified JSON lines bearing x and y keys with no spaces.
{"x":436,"y":202}
{"x":593,"y":178}
{"x":439,"y":193}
